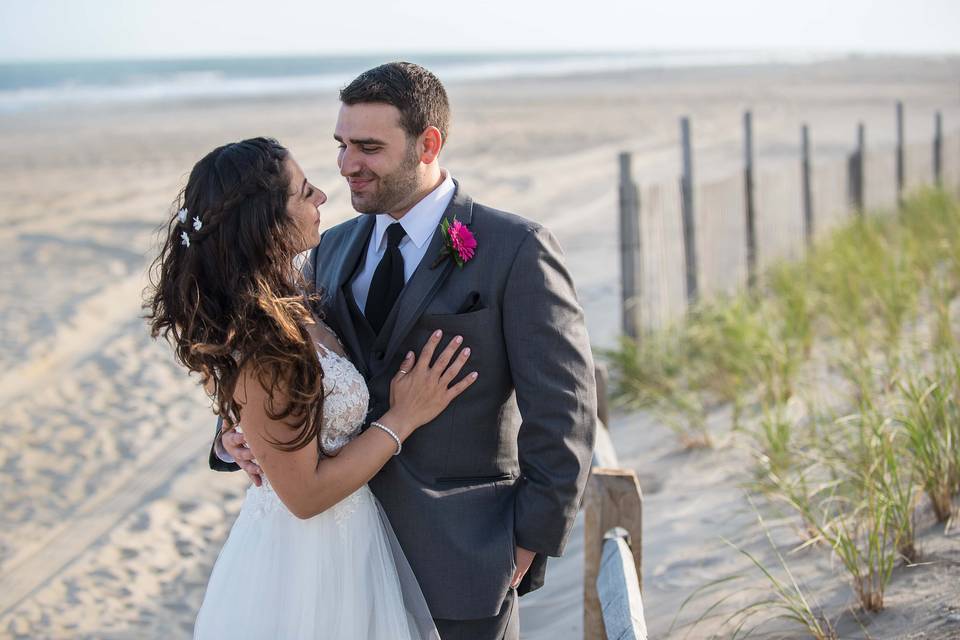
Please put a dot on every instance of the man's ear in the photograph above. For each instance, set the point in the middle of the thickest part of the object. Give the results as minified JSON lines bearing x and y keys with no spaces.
{"x":430,"y":143}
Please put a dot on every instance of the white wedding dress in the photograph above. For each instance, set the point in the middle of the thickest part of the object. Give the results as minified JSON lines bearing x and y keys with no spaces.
{"x":339,"y":575}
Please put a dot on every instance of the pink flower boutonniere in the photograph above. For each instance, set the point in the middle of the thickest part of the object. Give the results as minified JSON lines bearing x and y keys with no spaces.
{"x":458,"y":242}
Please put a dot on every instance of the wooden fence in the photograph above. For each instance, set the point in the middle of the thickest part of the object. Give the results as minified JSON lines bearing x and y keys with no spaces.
{"x":683,"y":241}
{"x":613,"y":607}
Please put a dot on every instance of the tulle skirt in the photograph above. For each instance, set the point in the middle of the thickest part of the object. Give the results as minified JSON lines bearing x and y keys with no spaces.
{"x":338,"y":575}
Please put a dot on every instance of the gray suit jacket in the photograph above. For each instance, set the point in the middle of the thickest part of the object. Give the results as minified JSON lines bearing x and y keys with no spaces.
{"x":506,"y":463}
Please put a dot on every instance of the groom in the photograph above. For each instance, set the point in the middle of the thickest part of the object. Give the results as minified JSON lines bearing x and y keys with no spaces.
{"x":482,"y":495}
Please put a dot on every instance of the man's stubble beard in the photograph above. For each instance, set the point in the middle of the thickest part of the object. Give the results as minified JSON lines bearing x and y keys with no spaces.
{"x":395,"y":189}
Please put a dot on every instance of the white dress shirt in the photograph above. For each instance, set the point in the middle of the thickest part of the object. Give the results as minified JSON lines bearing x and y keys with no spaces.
{"x":420,"y":222}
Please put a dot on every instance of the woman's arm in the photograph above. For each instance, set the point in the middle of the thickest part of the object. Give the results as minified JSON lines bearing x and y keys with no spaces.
{"x":308,"y":488}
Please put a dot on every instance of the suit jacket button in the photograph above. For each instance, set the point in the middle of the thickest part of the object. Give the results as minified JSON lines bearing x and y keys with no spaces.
{"x":378,"y":355}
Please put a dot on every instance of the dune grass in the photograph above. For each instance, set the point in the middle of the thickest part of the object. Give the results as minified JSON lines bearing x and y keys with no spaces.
{"x":784,"y":598}
{"x":869,"y":314}
{"x":930,"y":421}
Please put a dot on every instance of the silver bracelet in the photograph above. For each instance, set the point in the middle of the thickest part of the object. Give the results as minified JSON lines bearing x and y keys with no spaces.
{"x":390,"y":433}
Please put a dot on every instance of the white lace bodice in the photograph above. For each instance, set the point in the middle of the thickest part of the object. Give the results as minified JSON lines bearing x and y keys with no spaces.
{"x":344,"y":409}
{"x":346,"y":401}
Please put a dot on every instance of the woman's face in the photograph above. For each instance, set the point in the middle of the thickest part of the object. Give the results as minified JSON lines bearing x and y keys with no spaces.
{"x":303,"y":205}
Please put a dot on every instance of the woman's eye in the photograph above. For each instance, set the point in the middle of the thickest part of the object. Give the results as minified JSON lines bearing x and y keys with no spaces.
{"x":309,"y":193}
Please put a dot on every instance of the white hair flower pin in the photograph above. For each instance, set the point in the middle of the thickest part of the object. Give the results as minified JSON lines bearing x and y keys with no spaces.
{"x":197,"y":225}
{"x":184,"y":239}
{"x":182,"y":215}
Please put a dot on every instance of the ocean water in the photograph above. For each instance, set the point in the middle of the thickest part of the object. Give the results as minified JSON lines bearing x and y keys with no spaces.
{"x":43,"y":85}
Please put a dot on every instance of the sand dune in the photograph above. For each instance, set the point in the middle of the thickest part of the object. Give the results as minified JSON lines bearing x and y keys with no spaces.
{"x":110,"y":519}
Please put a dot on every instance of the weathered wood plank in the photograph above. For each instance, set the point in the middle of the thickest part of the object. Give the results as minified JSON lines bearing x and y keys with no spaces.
{"x":613,"y":499}
{"x":631,"y":261}
{"x":603,"y":392}
{"x":619,"y":590}
{"x":604,"y":453}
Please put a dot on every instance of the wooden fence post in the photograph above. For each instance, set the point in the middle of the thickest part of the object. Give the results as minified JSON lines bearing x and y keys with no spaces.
{"x":748,"y":199}
{"x":686,"y":200}
{"x":900,"y":156}
{"x":807,"y":192}
{"x":604,"y":453}
{"x":603,"y":392}
{"x":630,"y":264}
{"x":938,"y":149}
{"x":855,"y":172}
{"x":613,"y":499}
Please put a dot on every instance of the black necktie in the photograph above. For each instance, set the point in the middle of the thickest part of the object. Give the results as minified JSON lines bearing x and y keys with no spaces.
{"x":387,"y":279}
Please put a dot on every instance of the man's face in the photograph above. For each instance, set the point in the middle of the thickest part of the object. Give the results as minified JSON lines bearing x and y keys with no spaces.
{"x":380,"y":163}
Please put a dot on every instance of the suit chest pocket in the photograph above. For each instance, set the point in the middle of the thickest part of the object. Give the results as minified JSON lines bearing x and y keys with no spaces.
{"x":480,"y":329}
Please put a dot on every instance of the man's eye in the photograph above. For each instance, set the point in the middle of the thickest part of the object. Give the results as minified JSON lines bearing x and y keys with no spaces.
{"x":342,"y":147}
{"x":366,"y":149}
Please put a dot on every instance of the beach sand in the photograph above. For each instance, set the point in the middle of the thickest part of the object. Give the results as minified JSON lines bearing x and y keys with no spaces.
{"x":111,"y":520}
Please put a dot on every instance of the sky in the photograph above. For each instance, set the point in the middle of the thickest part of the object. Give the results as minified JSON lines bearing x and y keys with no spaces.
{"x":108,"y":29}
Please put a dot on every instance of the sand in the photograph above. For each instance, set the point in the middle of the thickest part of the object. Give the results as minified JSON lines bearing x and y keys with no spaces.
{"x":111,"y":520}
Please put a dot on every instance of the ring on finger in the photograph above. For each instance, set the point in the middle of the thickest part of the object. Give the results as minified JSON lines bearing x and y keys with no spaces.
{"x":403,"y":372}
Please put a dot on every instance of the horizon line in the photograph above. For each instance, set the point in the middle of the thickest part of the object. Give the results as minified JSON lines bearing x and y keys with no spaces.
{"x":393,"y":54}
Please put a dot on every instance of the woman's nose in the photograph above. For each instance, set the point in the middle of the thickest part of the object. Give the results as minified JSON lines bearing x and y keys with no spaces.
{"x":321,"y":197}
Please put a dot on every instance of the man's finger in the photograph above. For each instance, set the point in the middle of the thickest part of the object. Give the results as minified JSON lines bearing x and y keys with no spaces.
{"x":251,"y":467}
{"x":233,"y":439}
{"x":253,"y":472}
{"x":240,"y":453}
{"x":243,"y":454}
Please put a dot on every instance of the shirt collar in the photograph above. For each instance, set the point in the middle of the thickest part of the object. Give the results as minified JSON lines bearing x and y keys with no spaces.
{"x":422,"y":219}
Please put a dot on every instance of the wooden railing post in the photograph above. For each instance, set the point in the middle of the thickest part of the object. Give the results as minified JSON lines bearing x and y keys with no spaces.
{"x":602,"y":377}
{"x":604,"y":453}
{"x":613,"y":499}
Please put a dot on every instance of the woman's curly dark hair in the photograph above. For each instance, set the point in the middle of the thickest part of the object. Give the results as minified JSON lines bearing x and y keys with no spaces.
{"x":229,"y":293}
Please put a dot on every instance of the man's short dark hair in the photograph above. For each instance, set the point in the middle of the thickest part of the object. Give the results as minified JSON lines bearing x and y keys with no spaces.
{"x":414,"y":91}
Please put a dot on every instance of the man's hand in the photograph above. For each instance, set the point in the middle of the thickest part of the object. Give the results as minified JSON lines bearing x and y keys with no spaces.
{"x":524,"y":558}
{"x":236,"y":446}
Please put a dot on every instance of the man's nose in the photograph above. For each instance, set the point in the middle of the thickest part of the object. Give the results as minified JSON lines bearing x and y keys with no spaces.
{"x":349,"y":163}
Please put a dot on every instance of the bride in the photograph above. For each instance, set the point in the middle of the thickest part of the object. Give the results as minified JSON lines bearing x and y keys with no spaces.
{"x":311,"y":554}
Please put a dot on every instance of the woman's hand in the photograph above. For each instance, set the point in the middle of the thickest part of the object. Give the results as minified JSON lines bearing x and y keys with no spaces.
{"x":419,"y":391}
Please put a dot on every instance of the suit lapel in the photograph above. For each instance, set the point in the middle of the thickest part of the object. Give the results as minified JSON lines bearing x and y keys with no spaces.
{"x":425,"y":282}
{"x":356,"y":245}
